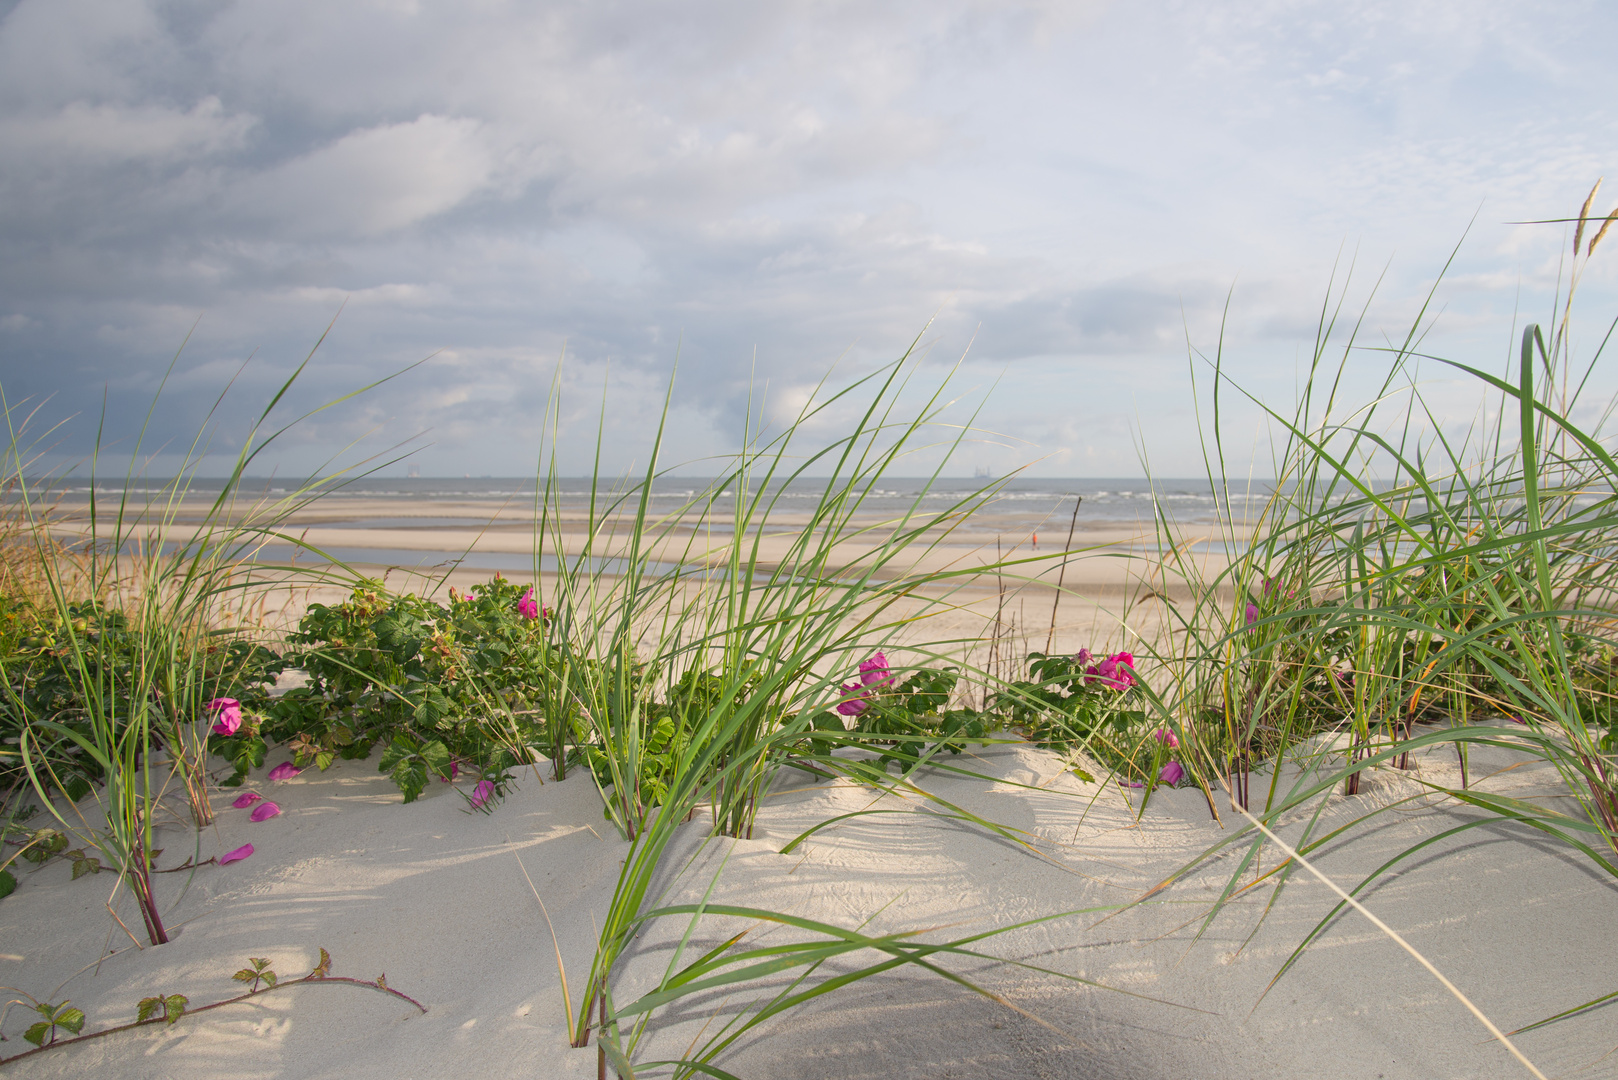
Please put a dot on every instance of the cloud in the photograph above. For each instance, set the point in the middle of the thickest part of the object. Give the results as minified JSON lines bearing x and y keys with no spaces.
{"x":1065,"y":194}
{"x":371,"y":181}
{"x":80,"y":135}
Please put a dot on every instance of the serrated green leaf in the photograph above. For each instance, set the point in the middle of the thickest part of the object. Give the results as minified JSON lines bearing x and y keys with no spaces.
{"x":323,"y":968}
{"x":173,"y":1008}
{"x":437,"y":757}
{"x":400,"y":749}
{"x":36,"y":1034}
{"x":245,"y":975}
{"x":149,"y":1007}
{"x":324,"y":759}
{"x":410,"y":775}
{"x":8,"y":883}
{"x":268,"y":976}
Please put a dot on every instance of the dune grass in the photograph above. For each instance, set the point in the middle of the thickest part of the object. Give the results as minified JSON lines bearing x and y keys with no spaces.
{"x":1408,"y":585}
{"x":122,"y":631}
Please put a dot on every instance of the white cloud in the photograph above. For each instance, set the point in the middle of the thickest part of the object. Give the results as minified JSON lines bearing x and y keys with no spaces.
{"x":1071,"y":188}
{"x":374,"y":180}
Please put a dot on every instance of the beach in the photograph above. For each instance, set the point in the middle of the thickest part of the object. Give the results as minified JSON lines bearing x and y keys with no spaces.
{"x":428,"y":537}
{"x":457,"y":909}
{"x":476,"y":916}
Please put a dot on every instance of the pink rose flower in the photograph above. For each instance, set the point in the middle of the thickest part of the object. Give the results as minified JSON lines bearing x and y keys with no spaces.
{"x":284,"y":771}
{"x":246,"y":799}
{"x":855,"y":700}
{"x":1113,"y":672}
{"x":1252,"y":614}
{"x":528,"y":606}
{"x":1171,"y":774}
{"x":230,"y":715}
{"x":1166,"y":737}
{"x":874,"y":672}
{"x":237,"y":855}
{"x":264,"y":811}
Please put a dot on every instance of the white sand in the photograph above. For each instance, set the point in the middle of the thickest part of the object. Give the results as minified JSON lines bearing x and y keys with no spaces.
{"x":433,"y":896}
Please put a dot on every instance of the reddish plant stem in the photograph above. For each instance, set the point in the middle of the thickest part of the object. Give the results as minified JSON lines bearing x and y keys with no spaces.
{"x":216,"y":1005}
{"x":1401,"y":733}
{"x":1351,"y":786}
{"x":140,"y":877}
{"x":601,"y":1049}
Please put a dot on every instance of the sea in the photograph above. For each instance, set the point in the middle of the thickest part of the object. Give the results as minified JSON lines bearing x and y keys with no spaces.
{"x":1030,"y":500}
{"x":1016,"y":506}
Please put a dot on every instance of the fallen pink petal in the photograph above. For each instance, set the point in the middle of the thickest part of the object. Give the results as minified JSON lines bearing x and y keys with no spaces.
{"x":236,"y":856}
{"x":246,"y":799}
{"x":264,"y":811}
{"x":1171,"y":774}
{"x":482,"y":793}
{"x":284,"y":771}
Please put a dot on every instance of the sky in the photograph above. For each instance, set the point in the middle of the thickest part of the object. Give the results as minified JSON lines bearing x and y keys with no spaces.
{"x":1055,"y":208}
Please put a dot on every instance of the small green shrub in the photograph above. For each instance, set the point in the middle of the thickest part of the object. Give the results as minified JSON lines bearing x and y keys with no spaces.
{"x":440,"y":688}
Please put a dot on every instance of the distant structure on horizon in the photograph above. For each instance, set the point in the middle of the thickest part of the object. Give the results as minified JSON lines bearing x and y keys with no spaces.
{"x":413,"y":471}
{"x":980,"y":473}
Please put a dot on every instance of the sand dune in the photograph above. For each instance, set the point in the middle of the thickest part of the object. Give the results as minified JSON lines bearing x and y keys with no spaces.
{"x":434,"y":896}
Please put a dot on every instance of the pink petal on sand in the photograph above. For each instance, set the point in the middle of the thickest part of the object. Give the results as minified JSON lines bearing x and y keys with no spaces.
{"x":246,"y":799}
{"x":482,"y":793}
{"x":236,"y":856}
{"x":264,"y":811}
{"x":284,"y":771}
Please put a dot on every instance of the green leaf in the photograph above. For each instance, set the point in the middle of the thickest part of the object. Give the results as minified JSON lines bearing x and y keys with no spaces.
{"x":410,"y":774}
{"x":84,"y":864}
{"x":398,"y":750}
{"x":173,"y":1008}
{"x":36,"y":1034}
{"x":437,"y":757}
{"x":8,"y":883}
{"x":323,"y":968}
{"x":72,"y":1019}
{"x":268,"y":976}
{"x":151,"y":1006}
{"x":245,"y":975}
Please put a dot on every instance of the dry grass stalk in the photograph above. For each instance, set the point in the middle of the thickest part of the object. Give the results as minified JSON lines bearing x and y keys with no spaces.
{"x":1584,"y":212}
